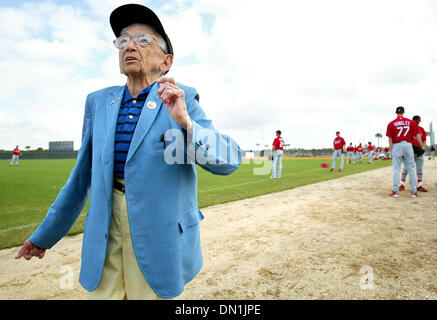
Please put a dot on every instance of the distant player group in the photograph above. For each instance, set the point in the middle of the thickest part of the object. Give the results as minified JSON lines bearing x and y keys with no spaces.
{"x":355,"y":154}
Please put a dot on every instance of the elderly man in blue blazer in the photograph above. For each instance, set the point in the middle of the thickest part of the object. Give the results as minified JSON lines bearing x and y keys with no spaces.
{"x":140,"y":145}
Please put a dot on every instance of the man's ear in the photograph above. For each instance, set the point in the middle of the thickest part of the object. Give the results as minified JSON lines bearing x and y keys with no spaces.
{"x":166,"y":63}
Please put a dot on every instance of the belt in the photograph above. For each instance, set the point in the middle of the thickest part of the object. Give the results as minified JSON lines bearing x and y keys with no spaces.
{"x":119,"y":186}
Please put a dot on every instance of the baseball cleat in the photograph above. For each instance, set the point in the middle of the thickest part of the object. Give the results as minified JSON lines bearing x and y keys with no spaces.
{"x":421,"y":188}
{"x":340,"y":170}
{"x":413,"y":194}
{"x":401,"y":187}
{"x":394,"y":194}
{"x":332,"y":170}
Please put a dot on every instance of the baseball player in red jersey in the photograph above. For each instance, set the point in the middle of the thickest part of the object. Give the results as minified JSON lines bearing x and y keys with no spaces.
{"x":378,"y":152}
{"x":400,"y":133}
{"x":360,"y":151}
{"x":350,"y":153}
{"x":387,"y":153}
{"x":370,"y":149}
{"x":418,"y":159}
{"x":277,"y":152}
{"x":339,"y":148}
{"x":16,"y":153}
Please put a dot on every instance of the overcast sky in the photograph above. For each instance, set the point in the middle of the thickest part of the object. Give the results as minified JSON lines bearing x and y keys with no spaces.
{"x":308,"y":68}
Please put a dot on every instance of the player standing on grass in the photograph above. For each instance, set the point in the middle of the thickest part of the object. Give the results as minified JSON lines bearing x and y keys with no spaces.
{"x":419,"y":159}
{"x":277,"y":152}
{"x":360,"y":151}
{"x":400,"y":133}
{"x":350,"y":153}
{"x":370,"y":149}
{"x":16,"y":153}
{"x":339,"y":148}
{"x":378,"y":152}
{"x":387,"y":153}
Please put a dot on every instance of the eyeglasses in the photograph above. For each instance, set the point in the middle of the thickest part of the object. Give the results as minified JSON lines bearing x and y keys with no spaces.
{"x":140,"y":39}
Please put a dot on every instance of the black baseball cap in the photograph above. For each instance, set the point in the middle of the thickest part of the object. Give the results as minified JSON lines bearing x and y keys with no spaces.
{"x":400,"y":109}
{"x":416,"y":118}
{"x":128,"y":14}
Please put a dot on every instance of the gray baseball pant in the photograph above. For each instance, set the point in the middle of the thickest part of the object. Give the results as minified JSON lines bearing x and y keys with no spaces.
{"x":277,"y":159}
{"x":403,"y":153}
{"x":337,"y":153}
{"x":419,"y":168}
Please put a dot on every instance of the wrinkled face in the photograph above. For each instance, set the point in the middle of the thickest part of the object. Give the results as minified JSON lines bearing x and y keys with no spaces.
{"x":141,"y":60}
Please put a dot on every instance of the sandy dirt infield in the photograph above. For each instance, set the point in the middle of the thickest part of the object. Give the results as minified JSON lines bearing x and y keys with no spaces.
{"x":315,"y":242}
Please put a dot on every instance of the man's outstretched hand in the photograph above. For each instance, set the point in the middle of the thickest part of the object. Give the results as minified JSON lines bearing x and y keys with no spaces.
{"x":29,"y":250}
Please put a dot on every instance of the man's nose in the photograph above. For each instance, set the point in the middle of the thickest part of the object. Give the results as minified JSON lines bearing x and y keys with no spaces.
{"x":131,"y":45}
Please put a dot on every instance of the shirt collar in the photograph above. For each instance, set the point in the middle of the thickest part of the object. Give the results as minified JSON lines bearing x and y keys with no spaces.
{"x":141,"y":96}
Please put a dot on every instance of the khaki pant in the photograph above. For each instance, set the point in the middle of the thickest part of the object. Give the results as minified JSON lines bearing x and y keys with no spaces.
{"x":122,"y":277}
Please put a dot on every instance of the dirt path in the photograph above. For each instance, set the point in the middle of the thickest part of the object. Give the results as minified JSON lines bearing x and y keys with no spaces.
{"x":315,"y":242}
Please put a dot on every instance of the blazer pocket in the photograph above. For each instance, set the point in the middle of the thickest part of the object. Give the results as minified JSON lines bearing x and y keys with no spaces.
{"x":190,"y":219}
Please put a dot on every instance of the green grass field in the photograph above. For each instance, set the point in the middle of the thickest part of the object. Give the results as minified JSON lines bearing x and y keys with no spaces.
{"x":28,"y":190}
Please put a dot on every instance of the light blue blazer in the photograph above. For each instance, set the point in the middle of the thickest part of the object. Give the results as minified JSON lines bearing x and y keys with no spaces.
{"x":161,"y":197}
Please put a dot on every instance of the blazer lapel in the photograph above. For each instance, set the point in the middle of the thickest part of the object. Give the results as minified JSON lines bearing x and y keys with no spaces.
{"x":148,"y":114}
{"x":112,"y":107}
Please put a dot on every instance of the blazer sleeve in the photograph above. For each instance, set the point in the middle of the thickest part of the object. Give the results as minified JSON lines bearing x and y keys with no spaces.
{"x":72,"y":197}
{"x":208,"y":148}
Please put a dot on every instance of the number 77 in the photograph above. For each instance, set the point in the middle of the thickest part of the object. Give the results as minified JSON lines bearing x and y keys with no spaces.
{"x":407,"y":128}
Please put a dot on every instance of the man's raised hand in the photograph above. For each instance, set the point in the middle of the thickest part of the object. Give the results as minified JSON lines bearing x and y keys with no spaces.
{"x":174,"y":99}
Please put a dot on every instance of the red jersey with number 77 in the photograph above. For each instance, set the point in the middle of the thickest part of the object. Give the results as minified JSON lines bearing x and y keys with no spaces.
{"x":402,"y":129}
{"x":278,"y":143}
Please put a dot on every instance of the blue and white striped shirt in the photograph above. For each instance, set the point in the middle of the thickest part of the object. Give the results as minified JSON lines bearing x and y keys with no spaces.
{"x":130,"y":111}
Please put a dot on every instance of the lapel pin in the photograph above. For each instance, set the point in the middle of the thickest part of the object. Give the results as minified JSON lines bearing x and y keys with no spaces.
{"x":151,"y":105}
{"x":113,"y":101}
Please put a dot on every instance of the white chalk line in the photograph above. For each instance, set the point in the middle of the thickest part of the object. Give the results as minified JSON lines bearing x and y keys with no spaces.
{"x":26,"y":226}
{"x":253,"y":182}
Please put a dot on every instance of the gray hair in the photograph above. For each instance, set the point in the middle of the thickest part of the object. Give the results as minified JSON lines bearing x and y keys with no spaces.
{"x":159,"y":39}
